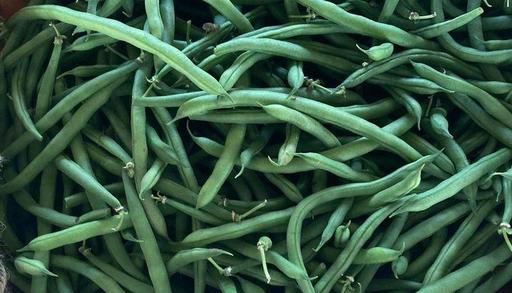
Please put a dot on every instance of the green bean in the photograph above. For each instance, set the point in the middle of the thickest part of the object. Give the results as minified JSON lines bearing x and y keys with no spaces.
{"x":154,"y":18}
{"x":36,"y":65}
{"x":507,"y":185}
{"x":138,"y":126}
{"x":47,"y":82}
{"x":498,"y":44}
{"x":493,"y":87}
{"x":18,"y":100}
{"x":472,"y":271}
{"x":185,"y":169}
{"x":234,"y":230}
{"x":365,"y":26}
{"x":388,"y":8}
{"x":173,"y":100}
{"x":429,"y":226}
{"x":440,"y":28}
{"x":225,"y":284}
{"x":374,"y":255}
{"x":105,"y":282}
{"x":173,"y":137}
{"x":97,"y":86}
{"x":184,"y":257}
{"x":371,"y":111}
{"x":337,"y":168}
{"x":243,"y":206}
{"x":411,"y":105}
{"x":72,"y":170}
{"x":331,"y":50}
{"x":504,"y":226}
{"x":377,"y":53}
{"x":272,"y":257}
{"x":488,"y":102}
{"x":89,"y":42}
{"x":122,"y":32}
{"x":78,"y":233}
{"x":295,"y":76}
{"x":223,"y":166}
{"x":456,"y":154}
{"x":162,"y":150}
{"x":254,"y":148}
{"x":194,"y":213}
{"x":107,"y":143}
{"x":87,"y":71}
{"x":188,"y":196}
{"x":120,"y":129}
{"x":284,"y":185}
{"x":452,"y":185}
{"x":109,"y":7}
{"x":335,"y":220}
{"x":302,"y":122}
{"x":452,"y":247}
{"x":226,"y":8}
{"x":104,"y":160}
{"x":439,"y":123}
{"x":414,"y":85}
{"x":151,"y":177}
{"x":47,"y":200}
{"x":149,"y":246}
{"x":417,"y":55}
{"x":33,"y":267}
{"x":46,"y":214}
{"x":289,"y":146}
{"x":93,"y":215}
{"x":398,"y":190}
{"x":242,"y":63}
{"x":284,"y":49}
{"x":167,"y":11}
{"x":122,"y":278}
{"x":285,"y":266}
{"x":423,"y":146}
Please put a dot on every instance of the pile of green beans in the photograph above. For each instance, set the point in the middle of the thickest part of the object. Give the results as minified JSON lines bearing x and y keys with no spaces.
{"x":256,"y":146}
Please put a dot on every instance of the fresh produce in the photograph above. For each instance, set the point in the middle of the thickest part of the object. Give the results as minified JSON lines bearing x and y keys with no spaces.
{"x":256,"y":146}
